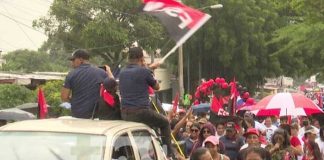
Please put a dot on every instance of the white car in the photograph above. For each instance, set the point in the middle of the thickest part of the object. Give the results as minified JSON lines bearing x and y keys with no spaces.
{"x":78,"y":139}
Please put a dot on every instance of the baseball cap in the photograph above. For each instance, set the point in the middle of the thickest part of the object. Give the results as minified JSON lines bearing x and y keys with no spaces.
{"x":79,"y":53}
{"x":251,"y":131}
{"x":203,"y":120}
{"x":212,"y":139}
{"x":310,"y":130}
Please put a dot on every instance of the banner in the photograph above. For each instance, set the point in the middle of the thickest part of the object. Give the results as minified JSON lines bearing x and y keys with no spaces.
{"x":180,"y":21}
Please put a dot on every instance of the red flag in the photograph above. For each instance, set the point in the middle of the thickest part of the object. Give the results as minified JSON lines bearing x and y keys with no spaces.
{"x":234,"y":92}
{"x":175,"y":103}
{"x":181,"y":21}
{"x":216,"y":105}
{"x":42,"y":107}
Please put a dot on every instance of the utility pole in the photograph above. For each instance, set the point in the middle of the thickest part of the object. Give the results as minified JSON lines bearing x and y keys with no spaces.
{"x":180,"y":71}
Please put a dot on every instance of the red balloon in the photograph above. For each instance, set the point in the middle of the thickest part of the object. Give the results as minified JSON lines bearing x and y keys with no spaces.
{"x":222,"y":80}
{"x":224,"y":85}
{"x":217,"y":80}
{"x":250,"y":101}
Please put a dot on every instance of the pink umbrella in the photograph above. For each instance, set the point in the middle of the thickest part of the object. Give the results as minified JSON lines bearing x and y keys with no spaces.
{"x":284,"y":104}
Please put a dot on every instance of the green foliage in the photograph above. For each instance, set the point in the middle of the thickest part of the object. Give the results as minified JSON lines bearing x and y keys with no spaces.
{"x":233,"y":42}
{"x":105,"y":28}
{"x":250,"y":40}
{"x":299,"y":44}
{"x":12,"y":95}
{"x":31,"y":61}
{"x":52,"y":92}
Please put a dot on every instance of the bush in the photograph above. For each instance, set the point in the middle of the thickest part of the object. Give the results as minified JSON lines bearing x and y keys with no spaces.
{"x":52,"y":92}
{"x":12,"y":95}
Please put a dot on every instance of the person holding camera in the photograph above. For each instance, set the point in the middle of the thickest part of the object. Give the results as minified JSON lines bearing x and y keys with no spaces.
{"x":81,"y":87}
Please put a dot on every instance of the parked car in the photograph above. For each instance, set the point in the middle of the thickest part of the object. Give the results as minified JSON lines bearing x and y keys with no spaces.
{"x":78,"y":139}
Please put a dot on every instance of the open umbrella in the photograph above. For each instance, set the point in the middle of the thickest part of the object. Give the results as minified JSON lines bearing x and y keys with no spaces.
{"x":201,"y":108}
{"x":15,"y":114}
{"x":285,"y":104}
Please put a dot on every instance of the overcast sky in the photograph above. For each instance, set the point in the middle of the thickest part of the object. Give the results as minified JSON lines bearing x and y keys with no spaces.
{"x":16,"y":18}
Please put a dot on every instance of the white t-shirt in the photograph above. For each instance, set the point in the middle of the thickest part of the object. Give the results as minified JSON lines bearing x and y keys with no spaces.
{"x":269,"y":132}
{"x":246,"y":145}
{"x":259,"y":126}
{"x":321,"y":146}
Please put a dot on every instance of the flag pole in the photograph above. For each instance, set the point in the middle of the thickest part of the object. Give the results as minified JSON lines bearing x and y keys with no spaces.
{"x":169,"y":53}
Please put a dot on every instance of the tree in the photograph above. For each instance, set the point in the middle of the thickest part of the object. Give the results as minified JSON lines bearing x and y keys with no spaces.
{"x":12,"y":95}
{"x":105,"y":28}
{"x":31,"y":61}
{"x":233,"y":42}
{"x":52,"y":92}
{"x":299,"y":44}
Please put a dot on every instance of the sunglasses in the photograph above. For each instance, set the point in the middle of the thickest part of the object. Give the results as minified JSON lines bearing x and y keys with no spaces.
{"x":194,"y":130}
{"x":206,"y":131}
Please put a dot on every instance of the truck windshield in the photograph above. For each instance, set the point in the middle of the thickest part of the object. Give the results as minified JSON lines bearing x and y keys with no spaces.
{"x":51,"y":146}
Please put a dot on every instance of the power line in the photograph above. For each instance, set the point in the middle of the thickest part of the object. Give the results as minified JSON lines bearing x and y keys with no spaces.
{"x":93,"y":48}
{"x":72,"y":45}
{"x":23,"y":7}
{"x":15,"y":47}
{"x":21,"y":29}
{"x":21,"y":23}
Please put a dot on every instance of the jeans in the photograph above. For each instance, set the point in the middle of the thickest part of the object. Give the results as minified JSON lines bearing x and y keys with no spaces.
{"x":153,"y":120}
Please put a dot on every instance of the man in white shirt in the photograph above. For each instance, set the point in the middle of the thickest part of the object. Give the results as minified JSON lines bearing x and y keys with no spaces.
{"x":270,"y":129}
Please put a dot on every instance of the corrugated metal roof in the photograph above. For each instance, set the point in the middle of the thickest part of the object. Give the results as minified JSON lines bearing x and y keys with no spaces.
{"x":31,"y":76}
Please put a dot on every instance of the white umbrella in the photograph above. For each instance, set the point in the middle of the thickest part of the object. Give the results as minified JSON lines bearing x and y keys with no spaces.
{"x":284,"y":104}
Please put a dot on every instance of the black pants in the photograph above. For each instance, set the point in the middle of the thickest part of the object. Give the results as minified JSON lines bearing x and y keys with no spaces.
{"x":152,"y":119}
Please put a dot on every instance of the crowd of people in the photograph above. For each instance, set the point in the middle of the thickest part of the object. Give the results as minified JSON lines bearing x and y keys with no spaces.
{"x":277,"y":139}
{"x":92,"y":92}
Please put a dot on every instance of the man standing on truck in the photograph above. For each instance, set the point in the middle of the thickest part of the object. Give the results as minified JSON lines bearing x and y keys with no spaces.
{"x":134,"y":81}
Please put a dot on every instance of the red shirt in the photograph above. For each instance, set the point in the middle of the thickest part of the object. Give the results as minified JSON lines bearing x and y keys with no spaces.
{"x":294,"y":141}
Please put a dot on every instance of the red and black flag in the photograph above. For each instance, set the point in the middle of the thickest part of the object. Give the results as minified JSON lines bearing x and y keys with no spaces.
{"x":181,"y":21}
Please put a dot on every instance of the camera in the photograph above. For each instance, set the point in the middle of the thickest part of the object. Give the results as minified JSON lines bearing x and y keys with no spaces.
{"x":102,"y":67}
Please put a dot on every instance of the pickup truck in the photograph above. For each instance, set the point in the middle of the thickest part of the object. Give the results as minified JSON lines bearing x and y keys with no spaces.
{"x":79,"y":139}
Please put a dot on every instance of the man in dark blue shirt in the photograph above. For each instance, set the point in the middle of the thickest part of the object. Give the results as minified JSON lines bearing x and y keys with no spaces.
{"x":134,"y":81}
{"x":84,"y":83}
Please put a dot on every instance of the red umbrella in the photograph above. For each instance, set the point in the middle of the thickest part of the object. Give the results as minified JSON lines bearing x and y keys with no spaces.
{"x":284,"y":104}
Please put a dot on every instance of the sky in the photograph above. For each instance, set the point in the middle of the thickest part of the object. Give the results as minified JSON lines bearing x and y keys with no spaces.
{"x":16,"y":17}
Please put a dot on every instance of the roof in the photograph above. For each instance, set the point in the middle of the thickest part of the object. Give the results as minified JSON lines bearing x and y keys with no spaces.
{"x":85,"y":126}
{"x":37,"y":75}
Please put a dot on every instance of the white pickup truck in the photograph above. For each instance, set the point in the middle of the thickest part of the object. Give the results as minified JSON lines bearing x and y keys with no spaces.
{"x":78,"y":139}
